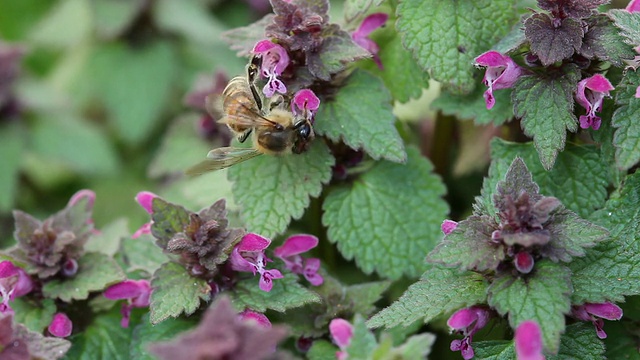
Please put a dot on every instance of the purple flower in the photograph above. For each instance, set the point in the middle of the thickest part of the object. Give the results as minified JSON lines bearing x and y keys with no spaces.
{"x":448,"y":226}
{"x":361,"y":35}
{"x":274,"y":60}
{"x":290,"y":252}
{"x":502,"y":72}
{"x":341,"y":332}
{"x":145,"y":199}
{"x":595,"y":313}
{"x":61,"y":326}
{"x":248,"y":256}
{"x":590,"y":93}
{"x":258,"y":318}
{"x":523,"y":261}
{"x":136,"y":292}
{"x":528,"y":341}
{"x":467,"y":321}
{"x":634,"y":6}
{"x":14,"y":282}
{"x":305,"y":103}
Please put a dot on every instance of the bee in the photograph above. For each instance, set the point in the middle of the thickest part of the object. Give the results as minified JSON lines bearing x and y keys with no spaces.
{"x":275,"y":130}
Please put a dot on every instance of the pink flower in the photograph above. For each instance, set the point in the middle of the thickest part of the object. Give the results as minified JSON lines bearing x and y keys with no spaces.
{"x":60,"y":326}
{"x":361,"y":35}
{"x":274,"y":61}
{"x":634,"y":6}
{"x":248,"y":256}
{"x":258,"y":318}
{"x":502,"y":72}
{"x":467,"y":321}
{"x":595,"y":313}
{"x":14,"y":283}
{"x":590,"y":94}
{"x":528,"y":341}
{"x":290,"y":252}
{"x":305,"y":103}
{"x":341,"y":332}
{"x":136,"y":292}
{"x":448,"y":226}
{"x":145,"y":199}
{"x":524,"y":262}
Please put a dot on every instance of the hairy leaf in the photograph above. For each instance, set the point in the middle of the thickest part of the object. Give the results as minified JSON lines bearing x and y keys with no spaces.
{"x":628,"y":23}
{"x":361,"y":116}
{"x":439,"y":291}
{"x":445,"y":36}
{"x":271,"y":190}
{"x":363,"y":341}
{"x":579,"y":338}
{"x":176,"y":292}
{"x":573,"y":9}
{"x":570,"y":236}
{"x":243,"y":39}
{"x":552,"y":43}
{"x":335,"y":53}
{"x":377,"y":213}
{"x":168,"y":219}
{"x":104,"y":338}
{"x":602,"y":41}
{"x":494,"y":350}
{"x":286,"y":293}
{"x":542,"y":296}
{"x":40,"y":347}
{"x":36,"y":316}
{"x":142,"y":254}
{"x":625,"y":119}
{"x":545,"y":105}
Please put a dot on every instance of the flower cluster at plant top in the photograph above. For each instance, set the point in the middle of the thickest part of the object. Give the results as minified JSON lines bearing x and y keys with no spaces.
{"x":581,"y":24}
{"x":528,"y":228}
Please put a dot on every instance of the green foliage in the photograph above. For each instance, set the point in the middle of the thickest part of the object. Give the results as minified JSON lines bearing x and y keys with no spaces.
{"x":272,"y":190}
{"x":543,"y":297}
{"x":96,"y":272}
{"x":494,"y":350}
{"x":628,"y":23}
{"x":377,"y":209}
{"x":603,"y":41}
{"x":36,"y":316}
{"x":360,"y":115}
{"x":12,"y":143}
{"x":545,"y":105}
{"x":437,"y":292}
{"x":176,"y":292}
{"x":363,"y":341}
{"x":285,"y":294}
{"x":473,"y":106}
{"x":336,"y":52}
{"x":627,"y":136}
{"x":146,"y":333}
{"x":109,"y":239}
{"x":322,"y":350}
{"x":580,"y":338}
{"x":445,"y":37}
{"x":553,"y":42}
{"x":168,"y":219}
{"x":142,"y":254}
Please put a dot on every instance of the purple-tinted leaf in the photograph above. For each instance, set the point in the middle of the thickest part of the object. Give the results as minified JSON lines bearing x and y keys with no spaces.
{"x":243,"y":39}
{"x":602,"y":41}
{"x":41,"y":347}
{"x":168,"y":219}
{"x":517,"y":180}
{"x":553,"y":43}
{"x":336,"y":52}
{"x":570,"y":236}
{"x":571,"y":8}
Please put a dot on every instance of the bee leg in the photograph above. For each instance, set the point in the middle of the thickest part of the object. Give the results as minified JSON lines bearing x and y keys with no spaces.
{"x":252,"y":75}
{"x":243,"y":137}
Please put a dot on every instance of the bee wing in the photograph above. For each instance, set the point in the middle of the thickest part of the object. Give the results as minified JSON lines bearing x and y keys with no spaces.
{"x":249,"y":117}
{"x":222,"y":158}
{"x":213,"y":105}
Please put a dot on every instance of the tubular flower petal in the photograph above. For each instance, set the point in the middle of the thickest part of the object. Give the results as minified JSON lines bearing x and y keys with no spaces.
{"x":502,"y":72}
{"x":528,"y":341}
{"x":274,"y":61}
{"x":290,"y":252}
{"x":448,"y":226}
{"x":61,"y":326}
{"x":305,"y":103}
{"x":258,"y":318}
{"x":341,"y":332}
{"x":590,"y":94}
{"x":14,"y":283}
{"x":467,"y":321}
{"x":145,"y":199}
{"x":136,"y":292}
{"x":634,"y":6}
{"x":595,"y":313}
{"x":248,"y":256}
{"x":361,"y":35}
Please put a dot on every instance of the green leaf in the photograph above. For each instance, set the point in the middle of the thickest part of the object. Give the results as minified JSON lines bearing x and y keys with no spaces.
{"x":580,"y":338}
{"x":322,"y":350}
{"x":146,"y":333}
{"x":365,"y":295}
{"x":271,"y":190}
{"x":611,"y":270}
{"x":112,"y":18}
{"x":65,"y":25}
{"x":334,"y":55}
{"x":628,"y":23}
{"x":36,"y":316}
{"x":168,"y":219}
{"x":176,"y":292}
{"x":494,"y":350}
{"x":566,"y":181}
{"x":40,"y":347}
{"x":142,"y":254}
{"x":401,"y":74}
{"x":553,"y":41}
{"x":188,"y":18}
{"x":243,"y":39}
{"x":361,"y":116}
{"x":377,"y":213}
{"x":621,"y":342}
{"x":181,"y":145}
{"x":354,"y":9}
{"x":12,"y":143}
{"x":109,"y":238}
{"x":603,"y":41}
{"x":363,"y":342}
{"x":96,"y":271}
{"x":75,"y":143}
{"x":439,"y":291}
{"x":416,"y":347}
{"x":285,"y":294}
{"x":513,"y":40}
{"x":188,"y":190}
{"x":625,"y":119}
{"x":545,"y":105}
{"x":570,"y":236}
{"x":103,"y":339}
{"x":543,"y":297}
{"x":445,"y":36}
{"x":473,"y":106}
{"x":148,"y":73}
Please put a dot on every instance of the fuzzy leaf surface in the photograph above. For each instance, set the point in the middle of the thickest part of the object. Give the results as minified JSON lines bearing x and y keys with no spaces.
{"x":286,"y":293}
{"x":553,"y":43}
{"x":611,"y":270}
{"x":271,"y":190}
{"x":363,"y":341}
{"x":168,"y":219}
{"x":146,"y":333}
{"x":370,"y":219}
{"x":361,"y":116}
{"x":243,"y":39}
{"x":546,"y":108}
{"x":445,"y":36}
{"x":494,"y":350}
{"x":354,"y":9}
{"x":628,"y":23}
{"x":176,"y":292}
{"x":437,"y":292}
{"x":95,"y":272}
{"x":104,"y":339}
{"x":602,"y":41}
{"x":40,"y":347}
{"x":335,"y":53}
{"x":109,"y":238}
{"x":142,"y":254}
{"x":35,"y":316}
{"x":626,"y":138}
{"x":543,"y":297}
{"x":473,"y":106}
{"x":571,"y":235}
{"x":580,"y":338}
